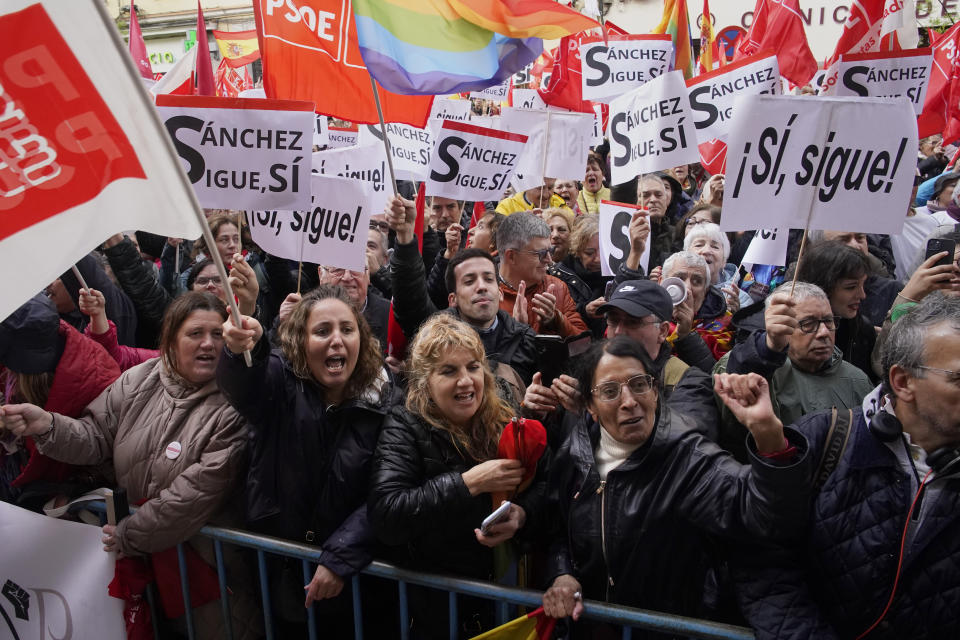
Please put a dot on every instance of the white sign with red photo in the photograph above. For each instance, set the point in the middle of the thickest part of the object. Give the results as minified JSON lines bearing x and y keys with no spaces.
{"x":83,"y":154}
{"x":623,"y":63}
{"x":886,"y":74}
{"x":651,"y":128}
{"x":796,"y":161}
{"x":243,"y":153}
{"x":557,"y":144}
{"x":332,"y":231}
{"x":473,"y":163}
{"x":614,"y":222}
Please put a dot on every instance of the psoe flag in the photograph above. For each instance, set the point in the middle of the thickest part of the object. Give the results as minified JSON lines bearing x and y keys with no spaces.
{"x":82,"y":152}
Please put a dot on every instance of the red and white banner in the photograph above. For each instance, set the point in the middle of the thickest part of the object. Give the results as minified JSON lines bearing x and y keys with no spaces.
{"x":82,"y":153}
{"x":229,"y":81}
{"x":309,"y":52}
{"x":610,"y":69}
{"x":614,"y":222}
{"x":472,"y":163}
{"x":178,"y":80}
{"x":877,"y":25}
{"x":338,"y":137}
{"x":243,"y":153}
{"x":938,"y":108}
{"x":887,"y":74}
{"x":651,"y":128}
{"x":778,"y":26}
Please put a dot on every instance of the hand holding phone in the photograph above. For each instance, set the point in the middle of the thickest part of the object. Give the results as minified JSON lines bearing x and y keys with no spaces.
{"x":499,"y":515}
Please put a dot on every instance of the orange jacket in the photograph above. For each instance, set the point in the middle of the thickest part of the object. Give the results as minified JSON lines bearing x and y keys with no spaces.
{"x":566,"y":322}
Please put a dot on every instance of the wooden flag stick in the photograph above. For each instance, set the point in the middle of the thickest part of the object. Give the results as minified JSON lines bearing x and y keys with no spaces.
{"x":76,"y":273}
{"x":543,"y":166}
{"x":796,"y":270}
{"x":383,"y":132}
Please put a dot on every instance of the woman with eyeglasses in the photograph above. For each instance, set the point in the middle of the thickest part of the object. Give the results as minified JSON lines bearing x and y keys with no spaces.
{"x":636,"y":495}
{"x":580,"y":271}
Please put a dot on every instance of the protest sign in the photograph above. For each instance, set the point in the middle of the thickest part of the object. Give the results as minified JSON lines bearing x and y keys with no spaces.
{"x":610,"y":69}
{"x":614,"y":222}
{"x":472,"y":163}
{"x":448,"y":109}
{"x":497,"y":92}
{"x":597,"y":137}
{"x":768,"y":246}
{"x":55,"y":575}
{"x":332,"y":232}
{"x":82,"y":152}
{"x":833,"y":163}
{"x":886,"y":74}
{"x":340,"y":137}
{"x":365,"y":164}
{"x":409,"y":147}
{"x":651,"y":128}
{"x":242,"y":153}
{"x":528,"y":99}
{"x":321,"y":131}
{"x":557,"y":144}
{"x":712,"y":94}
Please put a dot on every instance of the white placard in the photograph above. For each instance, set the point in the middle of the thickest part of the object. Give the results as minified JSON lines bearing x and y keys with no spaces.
{"x":598,"y":131}
{"x":622,"y":64}
{"x":888,"y":74}
{"x":651,"y":128}
{"x":242,"y":153}
{"x":339,"y":138}
{"x":365,"y":164}
{"x":54,"y":575}
{"x":712,"y":95}
{"x":449,"y":109}
{"x":410,"y":147}
{"x":557,"y":144}
{"x":321,"y":131}
{"x":614,"y":222}
{"x":768,"y":246}
{"x":332,"y":232}
{"x":498,"y":92}
{"x":471,"y":162}
{"x":528,"y":99}
{"x":794,"y":159}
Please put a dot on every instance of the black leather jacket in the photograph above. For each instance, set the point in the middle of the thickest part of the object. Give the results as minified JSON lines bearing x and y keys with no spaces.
{"x":642,"y":537}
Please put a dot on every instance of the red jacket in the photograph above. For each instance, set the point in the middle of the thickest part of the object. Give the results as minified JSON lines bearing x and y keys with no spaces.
{"x":567,"y":321}
{"x":84,"y":371}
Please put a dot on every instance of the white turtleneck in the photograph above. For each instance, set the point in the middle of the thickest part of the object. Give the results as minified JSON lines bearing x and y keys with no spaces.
{"x":611,"y":453}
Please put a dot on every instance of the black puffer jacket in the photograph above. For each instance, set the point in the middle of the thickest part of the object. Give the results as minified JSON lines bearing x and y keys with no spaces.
{"x":310,"y":465}
{"x":585,"y":287}
{"x":641,"y":538}
{"x":418,"y":499}
{"x":839,"y":583}
{"x":142,"y":286}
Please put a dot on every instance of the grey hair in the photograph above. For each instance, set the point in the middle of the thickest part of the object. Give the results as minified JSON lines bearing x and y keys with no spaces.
{"x":800,"y":292}
{"x":686,"y":259}
{"x":906,"y":342}
{"x":519,"y":229}
{"x":711,"y":231}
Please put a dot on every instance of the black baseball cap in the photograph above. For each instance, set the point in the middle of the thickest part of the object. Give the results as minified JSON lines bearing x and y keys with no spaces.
{"x":640,"y":298}
{"x":30,"y":337}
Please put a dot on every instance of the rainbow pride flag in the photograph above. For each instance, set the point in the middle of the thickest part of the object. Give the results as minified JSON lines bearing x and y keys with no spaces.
{"x":524,"y":18}
{"x":424,"y":47}
{"x":676,"y":22}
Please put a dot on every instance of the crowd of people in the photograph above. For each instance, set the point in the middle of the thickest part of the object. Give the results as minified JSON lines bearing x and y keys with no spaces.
{"x":776,"y":447}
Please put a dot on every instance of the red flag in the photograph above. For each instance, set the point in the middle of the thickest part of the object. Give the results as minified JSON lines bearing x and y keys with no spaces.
{"x":204,"y":67}
{"x":565,"y":88}
{"x":396,"y":340}
{"x":421,"y":205}
{"x":229,"y":82}
{"x":944,"y":74}
{"x":777,"y":25}
{"x":872,"y":25}
{"x":138,"y":49}
{"x":479,"y":210}
{"x":317,"y":59}
{"x":933,"y":36}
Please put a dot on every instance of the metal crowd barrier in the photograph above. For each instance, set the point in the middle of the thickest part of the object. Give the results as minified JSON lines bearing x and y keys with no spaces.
{"x":627,"y":618}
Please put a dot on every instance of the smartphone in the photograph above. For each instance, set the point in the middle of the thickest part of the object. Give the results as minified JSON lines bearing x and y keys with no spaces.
{"x":499,"y":515}
{"x":939,"y":245}
{"x":553,"y":355}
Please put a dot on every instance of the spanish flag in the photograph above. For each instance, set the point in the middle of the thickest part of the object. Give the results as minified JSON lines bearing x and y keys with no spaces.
{"x":533,"y":626}
{"x":676,"y":22}
{"x":238,"y":48}
{"x":709,"y":51}
{"x":545,"y":19}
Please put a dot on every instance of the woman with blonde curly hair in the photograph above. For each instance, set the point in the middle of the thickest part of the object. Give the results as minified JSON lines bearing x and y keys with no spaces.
{"x":436,"y":467}
{"x":315,"y":407}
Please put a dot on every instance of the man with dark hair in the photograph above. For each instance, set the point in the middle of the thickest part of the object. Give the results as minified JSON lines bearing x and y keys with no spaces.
{"x":879,"y":554}
{"x":471,"y":278}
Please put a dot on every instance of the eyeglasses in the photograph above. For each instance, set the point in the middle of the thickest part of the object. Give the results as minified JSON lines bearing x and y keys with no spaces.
{"x":810,"y":325}
{"x":543,"y":254}
{"x":692,"y":222}
{"x":952,"y":376}
{"x":204,"y":281}
{"x":338,"y":273}
{"x":382,"y":226}
{"x":610,"y":391}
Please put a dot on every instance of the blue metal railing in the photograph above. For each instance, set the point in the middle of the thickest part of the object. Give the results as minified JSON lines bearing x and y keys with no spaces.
{"x":626,"y":617}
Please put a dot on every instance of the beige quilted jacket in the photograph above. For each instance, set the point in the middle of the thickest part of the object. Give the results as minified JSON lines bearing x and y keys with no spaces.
{"x":134,"y":422}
